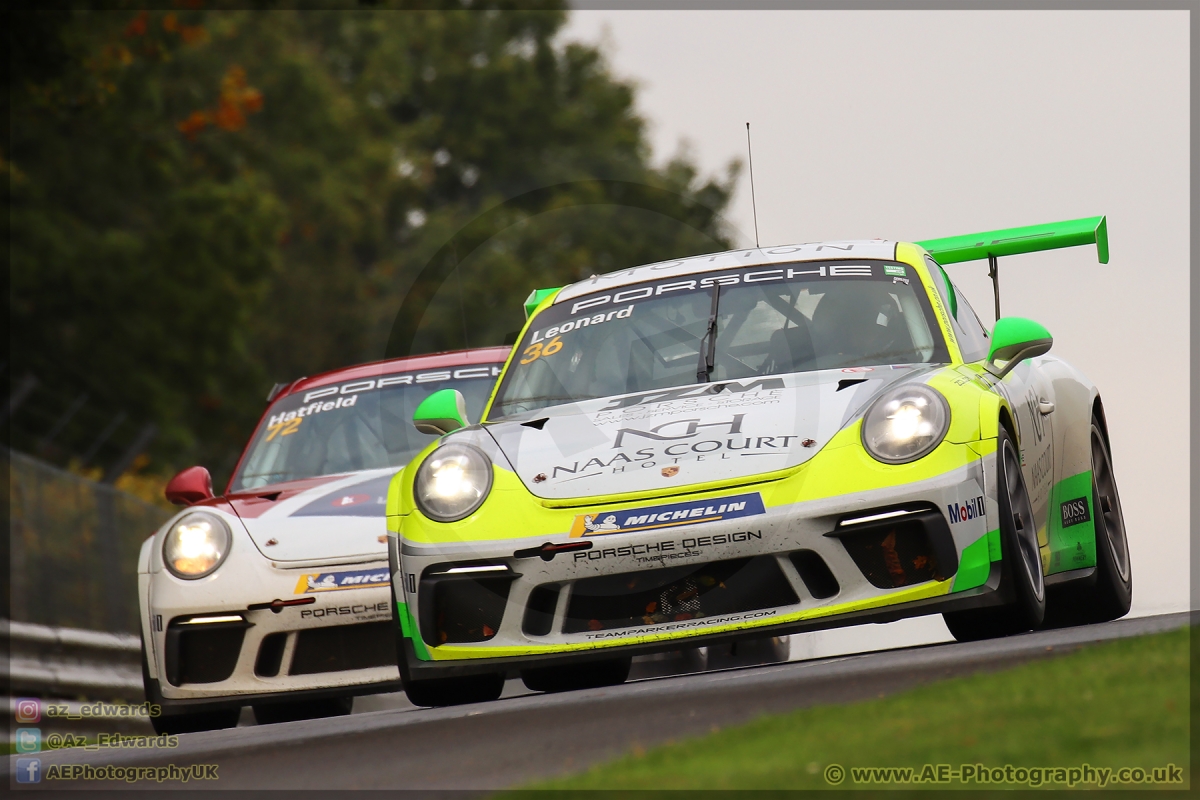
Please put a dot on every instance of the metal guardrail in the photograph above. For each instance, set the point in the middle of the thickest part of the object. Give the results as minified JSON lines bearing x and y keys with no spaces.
{"x":84,"y":680}
{"x":70,"y":663}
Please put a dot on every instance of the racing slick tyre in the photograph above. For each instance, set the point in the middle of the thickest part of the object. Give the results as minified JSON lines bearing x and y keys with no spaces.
{"x":672,"y":662}
{"x":589,"y":675}
{"x":1021,"y":568}
{"x":455,"y":691}
{"x":270,"y":713}
{"x":1107,"y":595}
{"x":186,"y":722}
{"x":750,"y":652}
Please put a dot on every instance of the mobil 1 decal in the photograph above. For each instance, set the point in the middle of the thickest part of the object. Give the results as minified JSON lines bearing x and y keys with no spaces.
{"x":546,"y":340}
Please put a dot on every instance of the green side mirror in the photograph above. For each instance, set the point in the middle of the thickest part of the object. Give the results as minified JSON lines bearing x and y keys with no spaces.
{"x":1015,"y":339}
{"x":444,"y":411}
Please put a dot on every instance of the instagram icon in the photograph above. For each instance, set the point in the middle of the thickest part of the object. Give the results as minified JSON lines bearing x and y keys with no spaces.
{"x":28,"y":710}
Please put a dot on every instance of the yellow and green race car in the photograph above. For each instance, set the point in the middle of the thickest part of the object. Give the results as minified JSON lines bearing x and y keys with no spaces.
{"x":739,"y":446}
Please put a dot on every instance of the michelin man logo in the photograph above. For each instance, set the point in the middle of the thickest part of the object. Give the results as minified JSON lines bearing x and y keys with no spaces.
{"x":609,"y":523}
{"x":342,"y":581}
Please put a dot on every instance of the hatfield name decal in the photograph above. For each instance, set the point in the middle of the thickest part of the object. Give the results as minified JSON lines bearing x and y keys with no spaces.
{"x":647,"y":518}
{"x":315,"y":582}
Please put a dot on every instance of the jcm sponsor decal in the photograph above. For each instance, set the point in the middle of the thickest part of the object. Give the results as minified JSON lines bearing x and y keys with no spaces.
{"x":971,"y":509}
{"x":1075,"y":512}
{"x":337,"y":581}
{"x":647,"y":518}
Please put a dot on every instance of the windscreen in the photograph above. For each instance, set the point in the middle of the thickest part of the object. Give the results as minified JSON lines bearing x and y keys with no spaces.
{"x":352,"y":426}
{"x":723,"y":326}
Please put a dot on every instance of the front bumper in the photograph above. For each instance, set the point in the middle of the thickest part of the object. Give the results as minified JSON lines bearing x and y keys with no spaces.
{"x":793,"y":567}
{"x":225,"y":642}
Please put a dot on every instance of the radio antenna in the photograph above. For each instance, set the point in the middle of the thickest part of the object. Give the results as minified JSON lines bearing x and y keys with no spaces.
{"x":753,"y":204}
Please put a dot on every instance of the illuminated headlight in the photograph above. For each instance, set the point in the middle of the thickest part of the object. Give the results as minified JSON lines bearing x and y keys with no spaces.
{"x":453,"y":482}
{"x":196,"y":545}
{"x":905,"y":423}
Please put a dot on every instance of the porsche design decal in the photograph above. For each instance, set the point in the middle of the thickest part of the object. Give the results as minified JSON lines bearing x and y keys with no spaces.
{"x":646,"y":518}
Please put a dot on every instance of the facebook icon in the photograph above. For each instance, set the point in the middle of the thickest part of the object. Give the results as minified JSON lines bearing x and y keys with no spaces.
{"x":29,"y":770}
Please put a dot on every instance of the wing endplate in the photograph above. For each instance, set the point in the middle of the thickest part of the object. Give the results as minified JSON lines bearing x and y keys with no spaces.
{"x":535,"y":299}
{"x":1030,"y":239}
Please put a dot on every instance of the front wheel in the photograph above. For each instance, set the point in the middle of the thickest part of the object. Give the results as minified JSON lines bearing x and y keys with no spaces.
{"x":750,"y":653}
{"x":454,"y":691}
{"x":1022,"y":562}
{"x":1109,"y":594}
{"x":589,"y":675}
{"x":271,"y":713}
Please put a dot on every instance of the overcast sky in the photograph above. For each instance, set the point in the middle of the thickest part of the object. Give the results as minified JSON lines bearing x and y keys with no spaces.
{"x":912,"y":125}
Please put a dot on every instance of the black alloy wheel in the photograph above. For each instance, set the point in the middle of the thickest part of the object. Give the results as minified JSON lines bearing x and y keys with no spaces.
{"x":1022,"y":563}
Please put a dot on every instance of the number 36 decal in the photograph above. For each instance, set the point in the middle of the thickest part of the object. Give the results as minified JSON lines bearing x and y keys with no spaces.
{"x":536,"y":350}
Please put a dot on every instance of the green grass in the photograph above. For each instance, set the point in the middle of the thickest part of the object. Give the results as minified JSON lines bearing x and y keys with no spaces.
{"x":1118,"y":704}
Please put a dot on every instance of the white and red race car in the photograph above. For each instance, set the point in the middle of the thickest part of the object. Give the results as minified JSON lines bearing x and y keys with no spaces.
{"x":275,"y":594}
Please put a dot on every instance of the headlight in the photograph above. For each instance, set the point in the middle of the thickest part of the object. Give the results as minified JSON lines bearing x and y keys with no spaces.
{"x":196,"y":545}
{"x":905,"y":423}
{"x":453,"y":482}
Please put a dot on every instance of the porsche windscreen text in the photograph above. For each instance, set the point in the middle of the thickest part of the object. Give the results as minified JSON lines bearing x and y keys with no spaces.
{"x":721,"y":327}
{"x":354,"y":425}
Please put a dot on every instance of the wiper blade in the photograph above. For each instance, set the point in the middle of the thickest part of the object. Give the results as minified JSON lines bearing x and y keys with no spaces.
{"x":708,"y":353}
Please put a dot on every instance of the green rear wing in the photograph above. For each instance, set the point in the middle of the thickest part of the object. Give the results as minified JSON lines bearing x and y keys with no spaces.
{"x":1013,"y":241}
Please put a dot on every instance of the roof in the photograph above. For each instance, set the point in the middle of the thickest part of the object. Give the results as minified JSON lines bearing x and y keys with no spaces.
{"x":456,"y":358}
{"x":880,"y":249}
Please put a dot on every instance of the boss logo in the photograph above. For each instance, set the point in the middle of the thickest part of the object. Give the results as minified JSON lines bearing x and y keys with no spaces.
{"x":1075,"y":511}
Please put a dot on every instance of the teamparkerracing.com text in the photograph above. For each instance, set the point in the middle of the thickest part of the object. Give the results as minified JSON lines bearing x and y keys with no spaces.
{"x":984,"y":775}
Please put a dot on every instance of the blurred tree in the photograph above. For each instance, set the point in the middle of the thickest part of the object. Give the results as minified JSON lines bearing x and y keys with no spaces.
{"x":206,"y":201}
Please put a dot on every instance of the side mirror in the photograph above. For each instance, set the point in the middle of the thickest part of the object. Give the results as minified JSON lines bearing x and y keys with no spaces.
{"x":444,"y":411}
{"x":189,"y":487}
{"x":1015,"y":339}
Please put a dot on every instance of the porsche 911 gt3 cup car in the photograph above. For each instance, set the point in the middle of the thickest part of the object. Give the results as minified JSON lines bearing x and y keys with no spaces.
{"x":275,"y":594}
{"x":755,"y":443}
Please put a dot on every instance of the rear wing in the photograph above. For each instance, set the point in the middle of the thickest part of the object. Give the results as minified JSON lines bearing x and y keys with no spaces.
{"x":535,"y":299}
{"x":1013,"y":241}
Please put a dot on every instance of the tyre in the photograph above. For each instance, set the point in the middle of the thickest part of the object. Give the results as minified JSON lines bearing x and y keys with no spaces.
{"x":1021,"y":569}
{"x":270,"y":713}
{"x":1108,"y":594}
{"x":454,"y":691}
{"x":672,"y":662}
{"x":192,"y":722}
{"x":750,"y":652}
{"x":589,"y":675}
{"x":184,"y":722}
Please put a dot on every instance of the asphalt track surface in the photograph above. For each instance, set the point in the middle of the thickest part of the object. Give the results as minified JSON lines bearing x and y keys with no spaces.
{"x":526,"y":736}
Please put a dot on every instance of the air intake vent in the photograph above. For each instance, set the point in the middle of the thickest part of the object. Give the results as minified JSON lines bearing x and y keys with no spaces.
{"x":462,"y":607}
{"x":895,"y":551}
{"x":677,"y":593}
{"x":539,"y":611}
{"x":344,"y":647}
{"x":204,"y":653}
{"x":815,"y":573}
